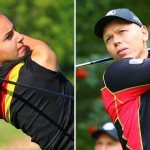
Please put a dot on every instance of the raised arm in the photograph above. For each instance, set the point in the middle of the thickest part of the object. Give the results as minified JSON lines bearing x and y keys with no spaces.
{"x":42,"y":53}
{"x":127,"y":73}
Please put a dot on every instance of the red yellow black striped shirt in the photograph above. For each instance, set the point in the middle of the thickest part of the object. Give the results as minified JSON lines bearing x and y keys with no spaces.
{"x":126,"y":94}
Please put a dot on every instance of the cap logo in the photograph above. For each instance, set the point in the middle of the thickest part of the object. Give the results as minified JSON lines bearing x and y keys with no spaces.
{"x":108,"y":126}
{"x":136,"y":18}
{"x":112,"y":12}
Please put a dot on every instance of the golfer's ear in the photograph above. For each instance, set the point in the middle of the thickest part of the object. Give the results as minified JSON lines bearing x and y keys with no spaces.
{"x":144,"y":33}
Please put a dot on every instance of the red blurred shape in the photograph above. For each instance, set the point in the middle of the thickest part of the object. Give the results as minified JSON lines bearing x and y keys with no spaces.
{"x":92,"y":129}
{"x":81,"y":73}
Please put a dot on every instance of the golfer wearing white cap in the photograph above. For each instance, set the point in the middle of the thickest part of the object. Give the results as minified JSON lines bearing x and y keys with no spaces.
{"x":106,"y":138}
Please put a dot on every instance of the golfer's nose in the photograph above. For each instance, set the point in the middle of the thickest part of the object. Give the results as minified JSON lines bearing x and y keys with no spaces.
{"x":20,"y":37}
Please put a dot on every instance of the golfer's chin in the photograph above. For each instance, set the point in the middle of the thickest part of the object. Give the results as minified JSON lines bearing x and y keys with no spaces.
{"x":124,"y":56}
{"x":22,"y":53}
{"x":118,"y":57}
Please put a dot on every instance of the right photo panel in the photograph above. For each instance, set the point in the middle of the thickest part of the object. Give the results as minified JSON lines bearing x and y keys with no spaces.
{"x":112,"y":75}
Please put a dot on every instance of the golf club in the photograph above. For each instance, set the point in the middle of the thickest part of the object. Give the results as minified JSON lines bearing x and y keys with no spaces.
{"x":98,"y":61}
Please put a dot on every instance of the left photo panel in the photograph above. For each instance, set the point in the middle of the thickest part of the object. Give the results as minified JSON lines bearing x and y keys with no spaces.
{"x":37,"y":75}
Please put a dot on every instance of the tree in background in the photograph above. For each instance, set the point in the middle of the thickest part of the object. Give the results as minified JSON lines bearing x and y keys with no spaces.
{"x":90,"y":109}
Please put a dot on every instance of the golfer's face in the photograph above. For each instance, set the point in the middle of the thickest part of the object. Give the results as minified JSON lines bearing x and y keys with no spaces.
{"x":124,"y":39}
{"x":106,"y":142}
{"x":11,"y":42}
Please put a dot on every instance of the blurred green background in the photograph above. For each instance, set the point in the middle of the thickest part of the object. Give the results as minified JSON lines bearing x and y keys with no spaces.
{"x":51,"y":21}
{"x":90,"y":109}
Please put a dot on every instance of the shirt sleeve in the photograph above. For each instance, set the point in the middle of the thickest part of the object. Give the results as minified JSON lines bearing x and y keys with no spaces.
{"x":127,"y":73}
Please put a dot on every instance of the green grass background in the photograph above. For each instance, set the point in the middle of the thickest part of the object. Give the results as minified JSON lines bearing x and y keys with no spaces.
{"x":9,"y":133}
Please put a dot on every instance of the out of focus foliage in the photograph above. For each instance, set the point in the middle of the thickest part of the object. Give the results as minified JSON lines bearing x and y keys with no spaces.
{"x":50,"y":21}
{"x":90,"y":107}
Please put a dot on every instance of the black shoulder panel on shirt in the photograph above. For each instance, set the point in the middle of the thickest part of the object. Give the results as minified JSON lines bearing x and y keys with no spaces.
{"x":102,"y":84}
{"x":127,"y":74}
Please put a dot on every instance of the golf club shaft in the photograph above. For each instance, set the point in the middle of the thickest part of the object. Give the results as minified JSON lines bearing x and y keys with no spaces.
{"x":98,"y":61}
{"x":95,"y":61}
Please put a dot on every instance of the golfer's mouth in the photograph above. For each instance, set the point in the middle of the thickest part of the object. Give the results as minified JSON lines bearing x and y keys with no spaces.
{"x":122,"y":51}
{"x":22,"y":47}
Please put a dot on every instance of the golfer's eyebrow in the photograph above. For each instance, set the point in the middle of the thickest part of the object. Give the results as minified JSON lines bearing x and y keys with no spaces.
{"x":106,"y":37}
{"x":9,"y":31}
